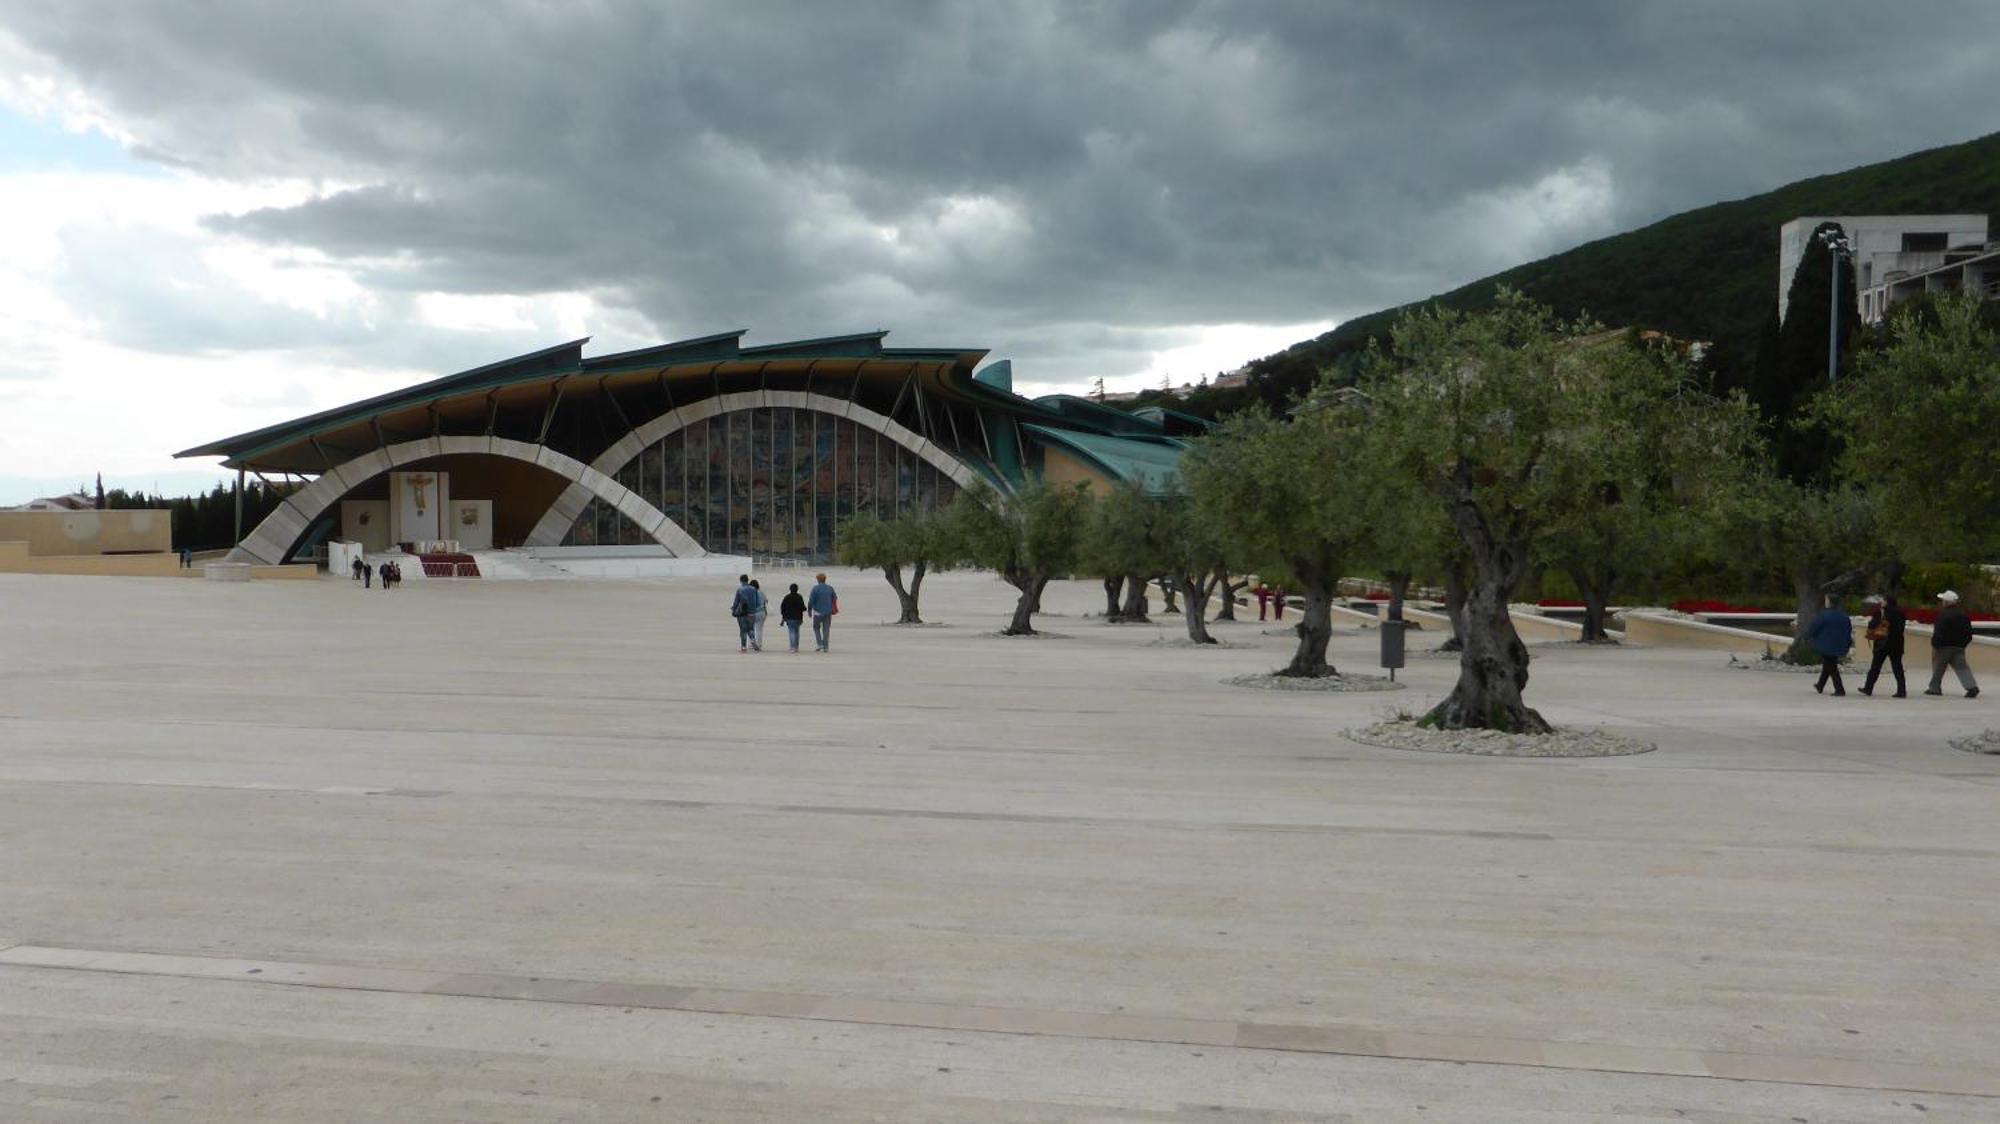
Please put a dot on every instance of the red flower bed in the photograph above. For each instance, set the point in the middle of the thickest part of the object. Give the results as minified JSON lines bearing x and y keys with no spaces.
{"x":1699,"y":606}
{"x":1558,"y":603}
{"x":1375,"y":595}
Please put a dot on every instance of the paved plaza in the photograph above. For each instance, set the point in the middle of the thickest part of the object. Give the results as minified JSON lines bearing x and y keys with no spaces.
{"x":555,"y":851}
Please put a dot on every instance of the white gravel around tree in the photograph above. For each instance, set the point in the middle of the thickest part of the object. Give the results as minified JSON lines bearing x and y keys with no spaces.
{"x":1272,"y":681}
{"x":1988,"y":742}
{"x":1405,"y":734}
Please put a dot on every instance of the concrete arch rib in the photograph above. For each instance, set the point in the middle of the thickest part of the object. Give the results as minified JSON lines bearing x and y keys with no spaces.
{"x":274,"y":538}
{"x":555,"y":524}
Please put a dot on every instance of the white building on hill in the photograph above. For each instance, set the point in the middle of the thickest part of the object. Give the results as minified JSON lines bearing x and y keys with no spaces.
{"x":1887,"y":248}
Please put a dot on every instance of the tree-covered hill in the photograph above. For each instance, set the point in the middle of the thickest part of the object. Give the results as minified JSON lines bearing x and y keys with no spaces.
{"x":1707,"y":274}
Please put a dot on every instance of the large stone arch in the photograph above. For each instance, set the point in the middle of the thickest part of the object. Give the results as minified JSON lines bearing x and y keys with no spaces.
{"x":274,"y":538}
{"x":556,"y":523}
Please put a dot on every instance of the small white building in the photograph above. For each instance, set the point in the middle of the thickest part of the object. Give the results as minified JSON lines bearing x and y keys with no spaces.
{"x":1883,"y":245}
{"x":1966,"y":269}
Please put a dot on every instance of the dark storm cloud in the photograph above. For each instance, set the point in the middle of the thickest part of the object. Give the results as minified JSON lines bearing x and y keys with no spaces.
{"x":1051,"y":179}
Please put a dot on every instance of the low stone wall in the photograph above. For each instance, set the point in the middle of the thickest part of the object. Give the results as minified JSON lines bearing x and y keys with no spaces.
{"x":1531,"y":627}
{"x":15,"y":558}
{"x":1661,"y":631}
{"x":1657,"y":630}
{"x":68,"y":534}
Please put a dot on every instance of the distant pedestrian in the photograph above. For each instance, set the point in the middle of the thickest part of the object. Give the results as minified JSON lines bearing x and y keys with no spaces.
{"x":1263,"y":600}
{"x":367,"y":574}
{"x":822,"y":602}
{"x":743,"y":606}
{"x":1278,"y":603}
{"x":757,"y":622}
{"x":383,"y":574}
{"x":358,"y":566}
{"x":792,"y":611}
{"x":1951,"y":635}
{"x":1831,"y":634}
{"x":1885,"y":640}
{"x":187,"y":558}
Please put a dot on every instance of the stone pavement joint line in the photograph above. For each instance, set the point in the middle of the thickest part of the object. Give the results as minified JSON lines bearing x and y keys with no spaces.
{"x":1324,"y":1039}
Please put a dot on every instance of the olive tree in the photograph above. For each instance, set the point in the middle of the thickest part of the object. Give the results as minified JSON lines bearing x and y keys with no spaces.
{"x":913,"y":539}
{"x":1125,"y":541}
{"x":1917,"y":420}
{"x":1820,"y":540}
{"x":1637,"y":489}
{"x":1196,"y":556}
{"x":1503,"y":416}
{"x":1289,"y":495}
{"x":1029,"y":538}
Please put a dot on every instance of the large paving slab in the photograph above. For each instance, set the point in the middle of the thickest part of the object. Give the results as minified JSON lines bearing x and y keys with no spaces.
{"x":554,"y":850}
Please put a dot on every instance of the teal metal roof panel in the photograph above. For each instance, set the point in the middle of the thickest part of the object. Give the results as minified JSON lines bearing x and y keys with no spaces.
{"x":999,"y":375}
{"x":861,"y":345}
{"x":1153,"y":464}
{"x":722,"y":345}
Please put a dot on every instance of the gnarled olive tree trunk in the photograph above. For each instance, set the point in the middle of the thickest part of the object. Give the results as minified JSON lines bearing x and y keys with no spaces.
{"x":1596,"y":590}
{"x":1195,"y":590}
{"x":1493,"y":667}
{"x":1315,"y":629}
{"x":907,"y":598}
{"x":1399,"y":590}
{"x":1226,"y":589}
{"x":1135,"y":599}
{"x":1112,"y":587}
{"x":1454,"y":608}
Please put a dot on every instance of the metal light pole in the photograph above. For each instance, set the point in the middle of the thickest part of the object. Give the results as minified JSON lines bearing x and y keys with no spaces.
{"x":1836,"y":247}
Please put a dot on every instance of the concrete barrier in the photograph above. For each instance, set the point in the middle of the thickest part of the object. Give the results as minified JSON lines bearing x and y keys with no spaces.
{"x":15,"y":558}
{"x":1530,"y":627}
{"x":226,"y":571}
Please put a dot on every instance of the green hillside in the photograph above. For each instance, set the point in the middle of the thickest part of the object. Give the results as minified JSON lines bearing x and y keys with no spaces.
{"x":1708,"y":274}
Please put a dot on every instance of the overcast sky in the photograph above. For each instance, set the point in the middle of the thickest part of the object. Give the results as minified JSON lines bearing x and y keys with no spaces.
{"x":216,"y":214}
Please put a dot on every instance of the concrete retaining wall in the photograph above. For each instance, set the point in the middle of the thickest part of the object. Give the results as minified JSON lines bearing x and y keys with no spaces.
{"x":15,"y":558}
{"x":1530,"y":626}
{"x":71,"y":533}
{"x":1675,"y":632}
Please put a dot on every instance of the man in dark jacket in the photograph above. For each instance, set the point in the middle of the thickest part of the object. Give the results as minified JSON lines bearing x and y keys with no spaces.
{"x":1950,"y":636}
{"x":792,"y":610}
{"x":1885,"y":635}
{"x":1831,"y":635}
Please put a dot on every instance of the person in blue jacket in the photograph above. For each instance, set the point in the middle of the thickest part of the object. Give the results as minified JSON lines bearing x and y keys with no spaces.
{"x":822,"y":603}
{"x":744,"y":606}
{"x":1831,"y":635}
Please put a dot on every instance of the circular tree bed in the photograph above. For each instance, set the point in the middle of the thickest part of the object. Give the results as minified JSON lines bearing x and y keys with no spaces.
{"x":1404,"y":734}
{"x":1272,"y":681}
{"x":1988,"y":742}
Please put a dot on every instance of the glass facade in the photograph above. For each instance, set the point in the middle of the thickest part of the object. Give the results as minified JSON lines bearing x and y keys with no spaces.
{"x":768,"y":482}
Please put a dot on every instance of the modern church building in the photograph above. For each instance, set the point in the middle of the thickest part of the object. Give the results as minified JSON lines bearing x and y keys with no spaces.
{"x":700,"y":447}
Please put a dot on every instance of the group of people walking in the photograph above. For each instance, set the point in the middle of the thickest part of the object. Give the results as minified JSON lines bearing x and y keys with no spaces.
{"x":750,"y":607}
{"x":1832,"y":635}
{"x":390,"y":571}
